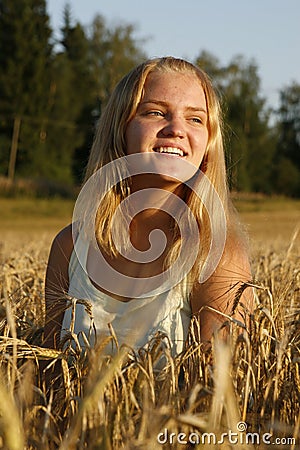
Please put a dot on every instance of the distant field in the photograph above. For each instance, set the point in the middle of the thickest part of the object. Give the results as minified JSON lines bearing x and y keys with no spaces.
{"x":29,"y":221}
{"x":269,"y":221}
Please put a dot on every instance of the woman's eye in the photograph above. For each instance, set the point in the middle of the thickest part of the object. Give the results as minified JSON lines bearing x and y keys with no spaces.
{"x":196,"y":120}
{"x":155,"y":113}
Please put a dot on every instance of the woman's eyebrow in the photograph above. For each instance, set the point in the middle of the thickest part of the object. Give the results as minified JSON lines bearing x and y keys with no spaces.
{"x":196,"y":109}
{"x":154,"y":102}
{"x":165,"y":104}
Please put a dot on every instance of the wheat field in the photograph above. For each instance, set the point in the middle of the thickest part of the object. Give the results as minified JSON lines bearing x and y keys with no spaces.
{"x":244,"y":395}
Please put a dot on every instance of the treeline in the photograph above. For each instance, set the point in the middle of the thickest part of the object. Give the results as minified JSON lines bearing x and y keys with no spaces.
{"x":52,"y":92}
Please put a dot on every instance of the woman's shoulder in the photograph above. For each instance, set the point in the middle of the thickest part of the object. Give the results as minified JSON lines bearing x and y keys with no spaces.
{"x":57,"y":278}
{"x":63,"y":243}
{"x":236,"y":248}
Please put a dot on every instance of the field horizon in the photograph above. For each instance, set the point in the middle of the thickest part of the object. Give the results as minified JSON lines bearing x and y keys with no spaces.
{"x":271,"y":221}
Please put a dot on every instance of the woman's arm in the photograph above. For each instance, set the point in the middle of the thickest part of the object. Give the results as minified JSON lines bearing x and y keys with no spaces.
{"x":57,"y":285}
{"x":223,"y":291}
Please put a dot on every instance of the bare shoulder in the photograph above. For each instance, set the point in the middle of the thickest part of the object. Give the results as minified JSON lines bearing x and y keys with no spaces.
{"x":63,"y":243}
{"x":231,"y":273}
{"x":237,"y":257}
{"x":59,"y":257}
{"x":228,"y":286}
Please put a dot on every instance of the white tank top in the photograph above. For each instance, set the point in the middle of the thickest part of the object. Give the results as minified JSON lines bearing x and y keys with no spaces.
{"x":133,"y":322}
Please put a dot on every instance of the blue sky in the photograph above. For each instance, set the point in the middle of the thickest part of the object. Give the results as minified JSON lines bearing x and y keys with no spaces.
{"x":266,"y":30}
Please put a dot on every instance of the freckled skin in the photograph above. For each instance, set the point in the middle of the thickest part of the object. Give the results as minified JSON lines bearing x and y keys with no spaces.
{"x":172,"y":113}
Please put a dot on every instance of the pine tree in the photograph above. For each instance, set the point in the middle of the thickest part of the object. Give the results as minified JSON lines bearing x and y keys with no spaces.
{"x":112,"y":52}
{"x":76,"y":48}
{"x":25,"y":57}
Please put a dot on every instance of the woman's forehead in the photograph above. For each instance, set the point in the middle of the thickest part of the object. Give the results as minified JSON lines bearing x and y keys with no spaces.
{"x":169,"y":83}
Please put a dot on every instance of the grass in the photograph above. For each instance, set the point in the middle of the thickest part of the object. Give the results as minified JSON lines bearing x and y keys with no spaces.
{"x":29,"y":213}
{"x":262,"y":203}
{"x":26,"y":222}
{"x":117,"y":403}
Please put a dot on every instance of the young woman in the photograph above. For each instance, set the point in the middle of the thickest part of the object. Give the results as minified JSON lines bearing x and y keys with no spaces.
{"x":160,"y":139}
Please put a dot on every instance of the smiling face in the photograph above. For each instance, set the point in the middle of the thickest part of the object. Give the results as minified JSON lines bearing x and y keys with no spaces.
{"x":171,"y":118}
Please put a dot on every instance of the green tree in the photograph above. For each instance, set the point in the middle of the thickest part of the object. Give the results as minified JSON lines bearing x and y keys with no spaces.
{"x":89,"y":63}
{"x":287,"y":158}
{"x":25,"y":58}
{"x":112,"y":53}
{"x":250,"y":144}
{"x":75,"y":84}
{"x":289,"y":120}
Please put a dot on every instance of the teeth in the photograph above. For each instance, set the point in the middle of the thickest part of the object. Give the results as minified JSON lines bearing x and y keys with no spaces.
{"x":170,"y":150}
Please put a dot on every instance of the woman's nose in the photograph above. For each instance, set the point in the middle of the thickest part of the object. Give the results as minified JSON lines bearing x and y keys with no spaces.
{"x":174,"y":128}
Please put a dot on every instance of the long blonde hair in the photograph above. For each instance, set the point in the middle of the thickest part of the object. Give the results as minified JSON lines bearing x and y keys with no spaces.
{"x":109,"y":145}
